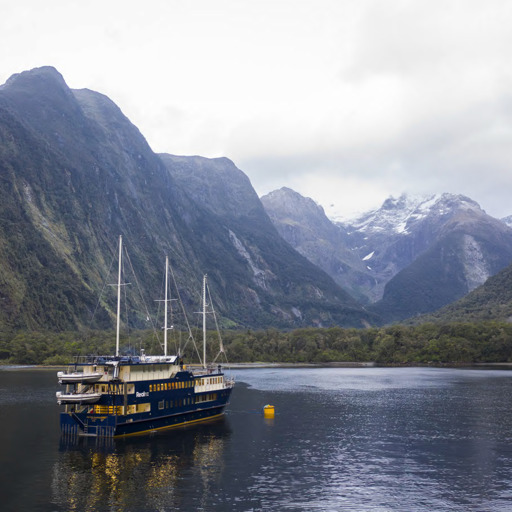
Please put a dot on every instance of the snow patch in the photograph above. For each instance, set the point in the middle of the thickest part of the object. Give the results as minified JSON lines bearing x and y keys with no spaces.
{"x":369,"y":256}
{"x":258,"y":273}
{"x":476,"y":269}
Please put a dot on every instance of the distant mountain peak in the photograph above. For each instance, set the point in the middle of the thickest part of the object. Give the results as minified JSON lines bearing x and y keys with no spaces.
{"x":38,"y":83}
{"x":397,"y":214}
{"x":291,"y":201}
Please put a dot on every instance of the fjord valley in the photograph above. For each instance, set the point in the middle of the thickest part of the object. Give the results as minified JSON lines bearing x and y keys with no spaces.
{"x":76,"y":174}
{"x":289,"y":283}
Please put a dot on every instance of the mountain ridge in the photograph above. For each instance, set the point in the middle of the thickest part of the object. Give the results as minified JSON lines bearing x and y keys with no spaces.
{"x":76,"y":173}
{"x":410,"y":256}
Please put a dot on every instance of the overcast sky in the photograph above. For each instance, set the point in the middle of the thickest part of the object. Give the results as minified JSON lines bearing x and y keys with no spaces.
{"x":345,"y":101}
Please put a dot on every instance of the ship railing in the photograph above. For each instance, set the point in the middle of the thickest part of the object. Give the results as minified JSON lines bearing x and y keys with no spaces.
{"x":109,"y":359}
{"x":105,"y":359}
{"x":197,"y":369}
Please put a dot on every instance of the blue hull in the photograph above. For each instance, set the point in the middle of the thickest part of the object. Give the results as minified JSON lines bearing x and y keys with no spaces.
{"x":119,"y":426}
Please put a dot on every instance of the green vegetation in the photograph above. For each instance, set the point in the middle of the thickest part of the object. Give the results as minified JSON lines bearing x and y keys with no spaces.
{"x":455,"y":343}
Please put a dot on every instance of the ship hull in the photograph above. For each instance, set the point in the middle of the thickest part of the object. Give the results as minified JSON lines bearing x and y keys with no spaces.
{"x":84,"y":424}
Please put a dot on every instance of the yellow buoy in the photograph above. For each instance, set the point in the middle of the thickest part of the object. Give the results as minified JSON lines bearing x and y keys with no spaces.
{"x":268,"y":411}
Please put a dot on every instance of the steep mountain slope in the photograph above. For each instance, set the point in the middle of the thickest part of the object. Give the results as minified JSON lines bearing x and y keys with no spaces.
{"x":249,"y":248}
{"x":304,"y":225}
{"x":70,"y":187}
{"x":491,"y":301}
{"x":76,"y":173}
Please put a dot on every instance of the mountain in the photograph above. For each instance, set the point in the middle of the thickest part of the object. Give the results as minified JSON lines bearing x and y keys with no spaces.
{"x":76,"y":173}
{"x":248,"y":248}
{"x":304,"y":225}
{"x":490,"y":301}
{"x":447,"y":247}
{"x":410,"y":256}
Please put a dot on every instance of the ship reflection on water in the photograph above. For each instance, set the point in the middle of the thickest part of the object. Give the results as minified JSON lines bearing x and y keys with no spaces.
{"x":140,"y":473}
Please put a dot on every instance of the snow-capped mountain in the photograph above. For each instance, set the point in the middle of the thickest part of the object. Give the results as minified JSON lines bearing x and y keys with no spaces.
{"x":411,"y":255}
{"x":401,"y":215}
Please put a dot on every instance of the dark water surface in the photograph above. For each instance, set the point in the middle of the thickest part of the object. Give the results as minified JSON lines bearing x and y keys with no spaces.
{"x":368,"y":439}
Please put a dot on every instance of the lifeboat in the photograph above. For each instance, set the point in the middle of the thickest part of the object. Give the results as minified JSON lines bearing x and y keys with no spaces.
{"x":77,"y":398}
{"x":78,"y":377}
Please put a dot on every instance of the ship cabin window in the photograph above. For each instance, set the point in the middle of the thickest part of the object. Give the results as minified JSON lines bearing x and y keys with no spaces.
{"x":131,"y":388}
{"x":161,"y":404}
{"x":206,"y":398}
{"x":143,"y":407}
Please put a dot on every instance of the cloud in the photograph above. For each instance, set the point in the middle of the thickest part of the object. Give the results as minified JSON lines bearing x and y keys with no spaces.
{"x":421,"y":103}
{"x":346,"y":101}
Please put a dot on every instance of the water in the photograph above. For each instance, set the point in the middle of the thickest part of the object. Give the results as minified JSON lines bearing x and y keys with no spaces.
{"x":365,"y":439}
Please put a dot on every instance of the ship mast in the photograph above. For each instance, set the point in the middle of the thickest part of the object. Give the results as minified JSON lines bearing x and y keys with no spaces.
{"x":119,"y":294}
{"x":204,"y":321}
{"x":165,"y":307}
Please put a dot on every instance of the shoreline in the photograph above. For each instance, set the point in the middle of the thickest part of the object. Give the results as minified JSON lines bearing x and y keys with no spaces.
{"x":339,"y":364}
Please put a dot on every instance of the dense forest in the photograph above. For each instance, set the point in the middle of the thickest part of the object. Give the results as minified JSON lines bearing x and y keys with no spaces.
{"x":454,"y":343}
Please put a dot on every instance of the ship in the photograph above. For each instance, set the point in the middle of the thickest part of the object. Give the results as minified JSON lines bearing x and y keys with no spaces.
{"x":125,"y":395}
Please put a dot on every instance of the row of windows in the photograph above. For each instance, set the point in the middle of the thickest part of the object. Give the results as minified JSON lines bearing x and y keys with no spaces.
{"x":170,"y":404}
{"x":164,"y":404}
{"x":105,"y":388}
{"x":118,"y":409}
{"x":209,"y":380}
{"x":146,"y":368}
{"x":164,"y":386}
{"x":115,"y":390}
{"x":206,"y":398}
{"x":108,"y":409}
